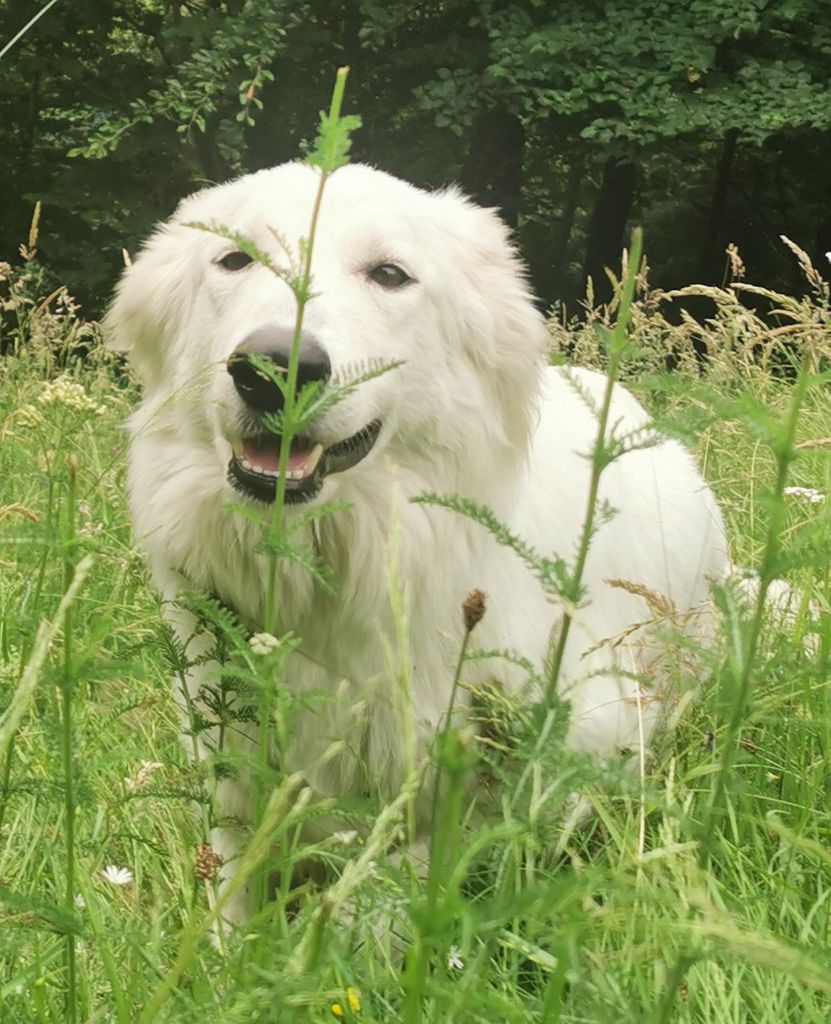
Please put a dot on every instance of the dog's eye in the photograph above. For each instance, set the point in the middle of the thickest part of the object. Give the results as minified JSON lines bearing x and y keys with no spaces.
{"x":388,"y":275}
{"x":235,"y":260}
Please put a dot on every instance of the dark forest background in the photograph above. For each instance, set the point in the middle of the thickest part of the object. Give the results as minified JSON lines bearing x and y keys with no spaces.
{"x":707,"y":121}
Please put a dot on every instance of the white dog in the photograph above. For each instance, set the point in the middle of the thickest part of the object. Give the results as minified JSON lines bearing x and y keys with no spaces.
{"x":433,"y":281}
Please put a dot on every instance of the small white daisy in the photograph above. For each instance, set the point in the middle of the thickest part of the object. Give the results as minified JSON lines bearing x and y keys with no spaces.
{"x":454,"y":959}
{"x":117,"y":876}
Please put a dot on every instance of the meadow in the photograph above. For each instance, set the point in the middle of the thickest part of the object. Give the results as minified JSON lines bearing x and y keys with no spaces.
{"x":698,"y":892}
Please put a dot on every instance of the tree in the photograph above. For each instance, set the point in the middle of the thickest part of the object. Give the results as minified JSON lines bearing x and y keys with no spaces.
{"x":707,"y":122}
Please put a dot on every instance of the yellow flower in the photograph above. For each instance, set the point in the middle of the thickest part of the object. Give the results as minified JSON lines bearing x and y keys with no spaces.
{"x":353,"y":1001}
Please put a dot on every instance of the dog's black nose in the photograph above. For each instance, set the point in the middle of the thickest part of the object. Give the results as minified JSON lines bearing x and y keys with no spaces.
{"x":274,"y":343}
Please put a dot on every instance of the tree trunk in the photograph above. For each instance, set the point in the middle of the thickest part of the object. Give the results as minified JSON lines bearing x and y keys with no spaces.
{"x":608,"y":223}
{"x":492,"y":173}
{"x":545,"y":243}
{"x":710,"y":262}
{"x":571,"y":199}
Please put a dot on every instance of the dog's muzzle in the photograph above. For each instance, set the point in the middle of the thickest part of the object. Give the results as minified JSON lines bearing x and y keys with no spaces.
{"x":254,"y":469}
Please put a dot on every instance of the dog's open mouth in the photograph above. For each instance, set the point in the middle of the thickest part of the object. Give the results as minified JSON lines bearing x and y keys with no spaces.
{"x":254,"y":468}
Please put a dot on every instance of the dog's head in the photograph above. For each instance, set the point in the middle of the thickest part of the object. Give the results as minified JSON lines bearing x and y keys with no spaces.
{"x":399,"y":276}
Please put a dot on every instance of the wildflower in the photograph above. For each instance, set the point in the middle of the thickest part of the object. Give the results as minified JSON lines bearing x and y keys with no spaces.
{"x":208,"y":862}
{"x":454,"y":959}
{"x":345,"y":838}
{"x":353,"y":1001}
{"x":473,"y":608}
{"x":71,"y":395}
{"x":28,"y":416}
{"x":263,"y":643}
{"x":80,"y":902}
{"x":811,"y":493}
{"x":142,"y":776}
{"x":117,"y":876}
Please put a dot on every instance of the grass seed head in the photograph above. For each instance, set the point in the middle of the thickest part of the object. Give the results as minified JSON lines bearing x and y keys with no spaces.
{"x":473,"y":609}
{"x":207,"y":863}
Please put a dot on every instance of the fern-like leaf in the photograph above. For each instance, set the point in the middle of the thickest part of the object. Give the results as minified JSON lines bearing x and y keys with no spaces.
{"x":551,"y":572}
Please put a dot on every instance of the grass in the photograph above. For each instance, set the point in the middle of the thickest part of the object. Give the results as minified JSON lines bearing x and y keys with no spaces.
{"x":701,"y":894}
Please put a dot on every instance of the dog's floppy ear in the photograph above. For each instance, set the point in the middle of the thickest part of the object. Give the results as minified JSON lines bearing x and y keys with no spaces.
{"x":144,"y":317}
{"x":502,"y":330}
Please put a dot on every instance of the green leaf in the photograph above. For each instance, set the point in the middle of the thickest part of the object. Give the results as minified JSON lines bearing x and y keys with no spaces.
{"x":551,"y":572}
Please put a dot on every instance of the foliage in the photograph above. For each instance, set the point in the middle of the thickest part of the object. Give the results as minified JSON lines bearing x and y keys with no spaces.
{"x":702,"y":878}
{"x":686,"y":901}
{"x":109,"y":113}
{"x":633,"y":74}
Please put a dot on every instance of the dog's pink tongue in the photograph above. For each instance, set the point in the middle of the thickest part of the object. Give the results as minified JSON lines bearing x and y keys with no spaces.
{"x":265,"y":455}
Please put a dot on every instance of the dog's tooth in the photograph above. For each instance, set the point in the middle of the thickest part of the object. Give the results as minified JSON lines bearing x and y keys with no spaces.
{"x":310,"y":464}
{"x":245,"y":463}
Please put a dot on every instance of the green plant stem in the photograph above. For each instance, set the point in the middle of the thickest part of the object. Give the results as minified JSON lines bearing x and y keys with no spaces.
{"x":286,"y":438}
{"x":663,"y":1013}
{"x":206,"y":810}
{"x":67,"y":693}
{"x":47,"y":548}
{"x":785,"y":453}
{"x":278,"y":815}
{"x":442,"y":738}
{"x":445,"y":817}
{"x":617,"y":345}
{"x":6,"y":780}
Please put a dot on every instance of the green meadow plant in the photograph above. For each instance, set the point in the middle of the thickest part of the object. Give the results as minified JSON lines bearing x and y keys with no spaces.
{"x":698,"y":891}
{"x":300,"y":408}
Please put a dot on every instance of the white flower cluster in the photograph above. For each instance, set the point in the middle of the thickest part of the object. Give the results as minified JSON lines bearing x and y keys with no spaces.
{"x":28,"y":417}
{"x":70,"y":394}
{"x":811,"y":493}
{"x":263,"y":643}
{"x":346,"y":838}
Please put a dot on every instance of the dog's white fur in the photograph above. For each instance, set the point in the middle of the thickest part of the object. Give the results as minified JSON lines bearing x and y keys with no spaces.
{"x":473,"y":411}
